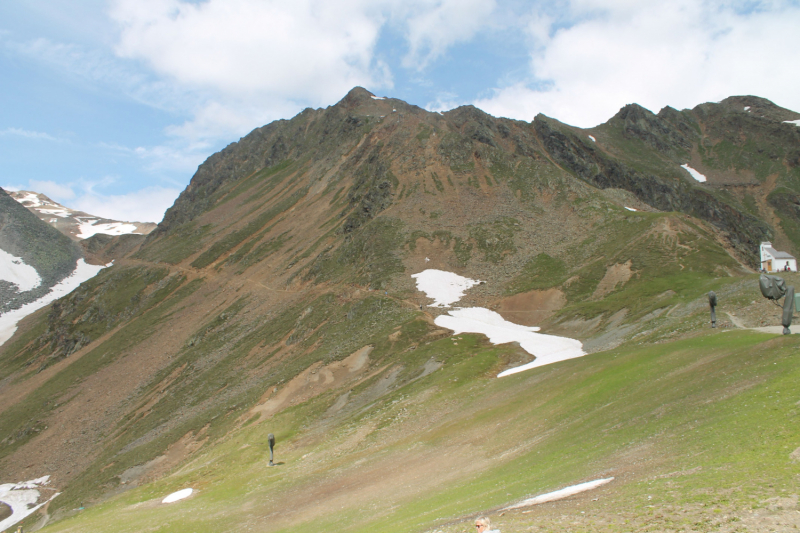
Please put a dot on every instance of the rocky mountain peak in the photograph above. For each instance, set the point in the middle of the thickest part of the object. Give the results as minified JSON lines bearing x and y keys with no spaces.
{"x":357,"y":96}
{"x":643,"y":124}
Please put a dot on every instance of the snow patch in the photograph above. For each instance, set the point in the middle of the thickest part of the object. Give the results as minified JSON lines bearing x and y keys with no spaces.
{"x":630,"y":208}
{"x":30,"y":198}
{"x":747,"y":108}
{"x":547,"y":348}
{"x":22,"y":498}
{"x":795,"y":122}
{"x":82,"y":272}
{"x":63,"y":213}
{"x":378,"y":97}
{"x":695,"y":174}
{"x":446,"y":288}
{"x":175,"y":496}
{"x":560,"y":494}
{"x":593,"y":139}
{"x":88,"y":228}
{"x":14,"y":270}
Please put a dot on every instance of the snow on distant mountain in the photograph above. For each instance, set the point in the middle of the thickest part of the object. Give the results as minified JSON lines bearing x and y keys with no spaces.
{"x":14,"y":270}
{"x":77,"y":225}
{"x":10,"y":319}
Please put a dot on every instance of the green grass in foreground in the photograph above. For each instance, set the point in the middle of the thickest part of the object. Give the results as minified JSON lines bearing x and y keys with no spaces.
{"x":703,"y":421}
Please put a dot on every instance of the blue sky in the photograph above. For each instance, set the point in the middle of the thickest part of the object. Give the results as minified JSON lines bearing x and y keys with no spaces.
{"x":110,"y":105}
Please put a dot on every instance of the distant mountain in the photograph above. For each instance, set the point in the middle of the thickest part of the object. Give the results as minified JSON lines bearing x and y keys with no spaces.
{"x":77,"y":225}
{"x":34,"y":255}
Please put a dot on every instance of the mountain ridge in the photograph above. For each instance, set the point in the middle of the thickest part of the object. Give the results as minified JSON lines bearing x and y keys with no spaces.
{"x":290,"y":252}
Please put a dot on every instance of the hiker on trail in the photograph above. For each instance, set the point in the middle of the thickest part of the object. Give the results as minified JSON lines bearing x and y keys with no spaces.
{"x":482,"y":525}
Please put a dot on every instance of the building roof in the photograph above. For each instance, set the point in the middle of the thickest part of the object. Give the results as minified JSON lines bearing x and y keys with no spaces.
{"x":776,"y":254}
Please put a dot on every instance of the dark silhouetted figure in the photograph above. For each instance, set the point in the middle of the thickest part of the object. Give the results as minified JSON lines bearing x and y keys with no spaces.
{"x":712,"y":302}
{"x":271,"y":439}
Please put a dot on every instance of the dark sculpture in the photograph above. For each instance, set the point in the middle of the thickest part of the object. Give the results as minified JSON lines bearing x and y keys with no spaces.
{"x":788,"y":310}
{"x":271,"y":439}
{"x":773,"y":288}
{"x":712,"y":302}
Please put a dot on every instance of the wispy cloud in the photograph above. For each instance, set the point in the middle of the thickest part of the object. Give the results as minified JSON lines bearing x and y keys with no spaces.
{"x":434,"y":26}
{"x":182,"y":157}
{"x":60,"y":191}
{"x":102,"y":70}
{"x":27,"y":134}
{"x":444,"y":102}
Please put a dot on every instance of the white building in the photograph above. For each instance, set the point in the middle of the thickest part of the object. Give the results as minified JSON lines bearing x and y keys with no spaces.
{"x":774,"y":261}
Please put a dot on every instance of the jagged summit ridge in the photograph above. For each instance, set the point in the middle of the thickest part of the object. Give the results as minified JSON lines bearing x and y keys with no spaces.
{"x":327,"y":134}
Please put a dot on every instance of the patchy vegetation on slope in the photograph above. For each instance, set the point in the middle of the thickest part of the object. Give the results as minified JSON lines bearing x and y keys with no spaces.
{"x":276,"y":296}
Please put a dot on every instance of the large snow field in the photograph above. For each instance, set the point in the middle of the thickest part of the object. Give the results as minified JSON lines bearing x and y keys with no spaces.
{"x":9,"y":320}
{"x":14,"y":270}
{"x":547,"y":348}
{"x":448,"y":287}
{"x":695,"y":174}
{"x":22,"y":498}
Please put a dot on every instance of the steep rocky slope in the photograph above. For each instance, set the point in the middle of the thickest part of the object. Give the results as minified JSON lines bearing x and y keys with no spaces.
{"x":289,"y":255}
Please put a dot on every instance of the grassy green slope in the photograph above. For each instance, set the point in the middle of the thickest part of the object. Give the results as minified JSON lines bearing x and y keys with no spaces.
{"x":706,"y":424}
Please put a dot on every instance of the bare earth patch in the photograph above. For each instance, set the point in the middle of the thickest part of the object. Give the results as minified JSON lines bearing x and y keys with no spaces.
{"x":312,"y":382}
{"x":618,"y":274}
{"x":531,"y":308}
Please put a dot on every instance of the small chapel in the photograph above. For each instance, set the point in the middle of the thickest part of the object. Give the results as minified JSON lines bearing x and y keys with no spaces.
{"x":774,"y":261}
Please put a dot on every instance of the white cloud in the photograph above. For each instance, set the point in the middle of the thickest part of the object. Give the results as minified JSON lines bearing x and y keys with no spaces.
{"x":679,"y":53}
{"x":251,"y":61}
{"x":304,"y":50}
{"x":144,"y":205}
